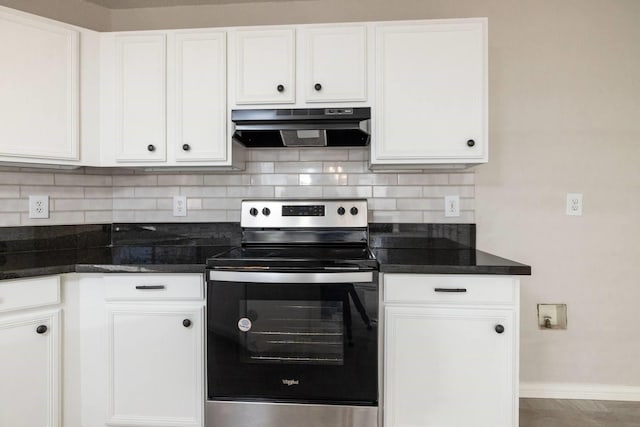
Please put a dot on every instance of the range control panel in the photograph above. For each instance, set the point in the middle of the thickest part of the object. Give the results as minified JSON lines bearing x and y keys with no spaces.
{"x":303,"y":213}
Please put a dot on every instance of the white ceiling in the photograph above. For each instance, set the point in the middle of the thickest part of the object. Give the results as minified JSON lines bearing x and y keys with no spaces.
{"x":130,"y":4}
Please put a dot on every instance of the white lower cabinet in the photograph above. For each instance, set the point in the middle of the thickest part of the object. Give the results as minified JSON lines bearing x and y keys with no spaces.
{"x":450,"y":351}
{"x":29,"y":354}
{"x":155,"y":350}
{"x":155,"y":365}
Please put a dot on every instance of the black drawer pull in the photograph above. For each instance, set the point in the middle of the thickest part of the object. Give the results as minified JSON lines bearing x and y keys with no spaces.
{"x":455,"y":290}
{"x":186,"y":323}
{"x":41,"y":329}
{"x":150,"y":287}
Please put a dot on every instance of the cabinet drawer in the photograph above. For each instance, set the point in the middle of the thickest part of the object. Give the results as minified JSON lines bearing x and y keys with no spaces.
{"x":154,"y":287}
{"x":29,"y":293}
{"x":417,"y":288}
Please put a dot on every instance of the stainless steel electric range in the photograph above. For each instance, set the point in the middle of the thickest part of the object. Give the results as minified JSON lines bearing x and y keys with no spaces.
{"x":292,"y":319}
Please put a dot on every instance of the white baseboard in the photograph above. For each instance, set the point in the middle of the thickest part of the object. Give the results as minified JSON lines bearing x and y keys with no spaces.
{"x":579,"y":391}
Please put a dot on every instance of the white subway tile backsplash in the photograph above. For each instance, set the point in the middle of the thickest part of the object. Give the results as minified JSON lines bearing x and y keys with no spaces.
{"x":399,"y":191}
{"x":423,"y":179}
{"x":89,"y":180}
{"x":135,"y":180}
{"x":227,"y":180}
{"x":134,"y":204}
{"x":9,"y":219}
{"x":171,"y":180}
{"x":93,"y":195}
{"x":346,"y":191}
{"x":373,"y":179}
{"x":25,"y":178}
{"x":315,"y":154}
{"x":53,"y":191}
{"x":321,"y":179}
{"x":343,"y":167}
{"x":298,"y":167}
{"x":9,"y":191}
{"x":273,"y":179}
{"x":14,"y":205}
{"x":150,"y":192}
{"x":468,"y":178}
{"x":298,"y":192}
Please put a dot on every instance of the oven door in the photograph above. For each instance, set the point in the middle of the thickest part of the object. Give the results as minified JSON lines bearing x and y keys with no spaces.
{"x":293,"y":337}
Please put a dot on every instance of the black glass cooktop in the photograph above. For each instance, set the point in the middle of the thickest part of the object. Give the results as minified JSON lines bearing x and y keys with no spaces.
{"x":295,"y":257}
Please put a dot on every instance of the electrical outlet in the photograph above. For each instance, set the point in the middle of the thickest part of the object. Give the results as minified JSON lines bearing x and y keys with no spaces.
{"x":574,"y":204}
{"x":451,"y":205}
{"x":179,"y":206}
{"x":38,"y":206}
{"x":552,"y":316}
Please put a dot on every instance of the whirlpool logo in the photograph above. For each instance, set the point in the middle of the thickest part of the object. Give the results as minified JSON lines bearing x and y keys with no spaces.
{"x":290,"y":382}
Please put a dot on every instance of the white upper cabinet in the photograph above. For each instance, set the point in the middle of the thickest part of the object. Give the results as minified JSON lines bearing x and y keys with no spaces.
{"x":200,"y":97}
{"x":264,"y":66}
{"x":164,"y":99}
{"x":431,"y":93}
{"x":39,"y":88}
{"x":140,"y":97}
{"x":334,"y":63}
{"x":323,"y":63}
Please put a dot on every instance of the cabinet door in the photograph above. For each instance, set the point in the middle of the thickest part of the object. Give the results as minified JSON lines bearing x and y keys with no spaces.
{"x":334,"y":63}
{"x":30,"y":373}
{"x":265,"y":67}
{"x":201,"y":97}
{"x":38,"y":88}
{"x":155,"y":362}
{"x":448,"y":367}
{"x":431,"y":93}
{"x":140,"y":97}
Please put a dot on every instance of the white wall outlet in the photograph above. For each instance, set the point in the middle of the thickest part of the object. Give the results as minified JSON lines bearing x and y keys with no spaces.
{"x":38,"y":206}
{"x":451,"y":205}
{"x":574,"y":204}
{"x":179,"y":206}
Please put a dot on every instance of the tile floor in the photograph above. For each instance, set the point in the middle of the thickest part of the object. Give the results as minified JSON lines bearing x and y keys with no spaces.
{"x":578,"y":413}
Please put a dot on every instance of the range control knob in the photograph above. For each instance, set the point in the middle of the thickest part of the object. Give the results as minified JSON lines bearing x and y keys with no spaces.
{"x":354,"y":211}
{"x":253,"y":211}
{"x":341,"y":210}
{"x":266,"y":211}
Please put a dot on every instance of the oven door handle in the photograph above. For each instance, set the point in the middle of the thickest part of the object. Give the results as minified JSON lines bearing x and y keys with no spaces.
{"x":276,"y":277}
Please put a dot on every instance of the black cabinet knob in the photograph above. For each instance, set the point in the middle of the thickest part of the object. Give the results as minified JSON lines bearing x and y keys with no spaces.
{"x":253,"y":211}
{"x":41,"y":329}
{"x":186,"y":147}
{"x":341,"y":210}
{"x":151,"y":147}
{"x":354,"y":211}
{"x":471,"y":143}
{"x":499,"y":329}
{"x":186,"y":323}
{"x":317,"y":86}
{"x":266,"y":211}
{"x":280,"y":88}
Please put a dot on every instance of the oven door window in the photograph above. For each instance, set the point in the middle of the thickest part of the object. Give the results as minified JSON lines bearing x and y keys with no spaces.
{"x":292,"y":331}
{"x":306,"y":342}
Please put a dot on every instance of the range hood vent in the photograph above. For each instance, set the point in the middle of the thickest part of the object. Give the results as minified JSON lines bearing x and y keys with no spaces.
{"x":302,"y":127}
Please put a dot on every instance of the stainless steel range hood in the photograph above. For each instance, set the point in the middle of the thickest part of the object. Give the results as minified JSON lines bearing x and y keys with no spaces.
{"x":302,"y":127}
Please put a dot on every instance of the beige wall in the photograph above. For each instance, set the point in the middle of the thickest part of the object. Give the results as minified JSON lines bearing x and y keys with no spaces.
{"x":564,"y":117}
{"x":76,"y":12}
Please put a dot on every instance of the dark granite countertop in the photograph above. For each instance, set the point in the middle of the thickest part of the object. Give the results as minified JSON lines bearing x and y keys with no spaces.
{"x":171,"y":248}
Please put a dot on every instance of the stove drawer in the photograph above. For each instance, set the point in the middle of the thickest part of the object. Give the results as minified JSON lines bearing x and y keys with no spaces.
{"x":153,"y":287}
{"x":448,"y":289}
